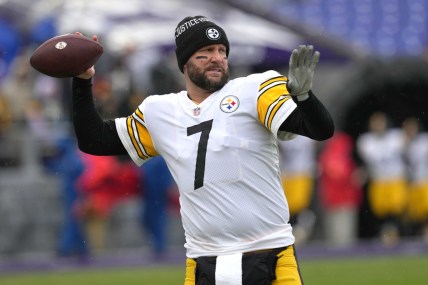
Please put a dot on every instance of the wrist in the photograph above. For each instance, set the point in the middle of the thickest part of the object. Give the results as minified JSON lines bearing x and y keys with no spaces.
{"x":82,"y":80}
{"x":82,"y":84}
{"x":302,"y":97}
{"x":84,"y":77}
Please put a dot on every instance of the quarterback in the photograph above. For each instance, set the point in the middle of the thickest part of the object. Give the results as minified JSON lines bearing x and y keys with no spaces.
{"x":219,"y":140}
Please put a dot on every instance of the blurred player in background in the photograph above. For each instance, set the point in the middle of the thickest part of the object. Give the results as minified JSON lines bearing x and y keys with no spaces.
{"x":298,"y":166}
{"x":219,"y":140}
{"x":65,"y":161}
{"x":417,"y":161}
{"x":105,"y":183}
{"x":155,"y":184}
{"x":5,"y":115}
{"x":340,"y":190}
{"x":382,"y":150}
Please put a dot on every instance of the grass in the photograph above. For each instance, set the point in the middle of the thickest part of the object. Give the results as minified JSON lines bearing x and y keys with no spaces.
{"x":362,"y":271}
{"x":152,"y":276}
{"x":370,"y":271}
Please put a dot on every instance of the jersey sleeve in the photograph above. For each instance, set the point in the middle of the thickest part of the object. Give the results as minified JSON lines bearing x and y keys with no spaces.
{"x":274,"y":103}
{"x":135,"y":137}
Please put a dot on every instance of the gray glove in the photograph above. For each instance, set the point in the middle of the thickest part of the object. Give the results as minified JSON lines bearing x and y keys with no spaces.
{"x":301,"y":70}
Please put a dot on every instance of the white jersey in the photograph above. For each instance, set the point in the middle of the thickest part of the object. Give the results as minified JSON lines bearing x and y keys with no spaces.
{"x":298,"y":157}
{"x":417,"y":155}
{"x":383,"y":154}
{"x":223,"y":155}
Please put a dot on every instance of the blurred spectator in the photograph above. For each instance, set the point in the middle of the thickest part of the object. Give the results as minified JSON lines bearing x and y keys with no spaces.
{"x":156,"y":182}
{"x":47,"y":90}
{"x":36,"y":120}
{"x":18,"y":88}
{"x":140,"y":62}
{"x":10,"y":44}
{"x":340,"y":190}
{"x":105,"y":182}
{"x":5,"y":121}
{"x":130,"y":103}
{"x":5,"y":115}
{"x":417,"y":159}
{"x":298,"y":162}
{"x":382,"y":151}
{"x":64,"y":160}
{"x":106,"y":102}
{"x":121,"y":77}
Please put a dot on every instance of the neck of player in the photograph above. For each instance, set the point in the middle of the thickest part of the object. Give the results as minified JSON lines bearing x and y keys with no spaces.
{"x":195,"y":93}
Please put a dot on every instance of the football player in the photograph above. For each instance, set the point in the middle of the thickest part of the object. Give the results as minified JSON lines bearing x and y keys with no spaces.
{"x":416,"y":154}
{"x":381,"y":149}
{"x":219,"y":140}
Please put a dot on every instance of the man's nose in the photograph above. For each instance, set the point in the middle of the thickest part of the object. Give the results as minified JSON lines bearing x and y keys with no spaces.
{"x":216,"y":56}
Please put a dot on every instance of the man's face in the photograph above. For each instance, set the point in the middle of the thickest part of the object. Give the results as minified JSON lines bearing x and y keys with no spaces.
{"x":378,"y":123}
{"x":208,"y":67}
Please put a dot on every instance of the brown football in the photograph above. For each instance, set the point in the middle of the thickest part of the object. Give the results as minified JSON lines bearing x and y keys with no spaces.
{"x":66,"y":55}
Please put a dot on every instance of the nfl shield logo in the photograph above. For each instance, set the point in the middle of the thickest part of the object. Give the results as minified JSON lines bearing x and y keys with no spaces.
{"x":196,"y":111}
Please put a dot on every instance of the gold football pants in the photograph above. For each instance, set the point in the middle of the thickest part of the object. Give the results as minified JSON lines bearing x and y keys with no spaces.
{"x":387,"y":197}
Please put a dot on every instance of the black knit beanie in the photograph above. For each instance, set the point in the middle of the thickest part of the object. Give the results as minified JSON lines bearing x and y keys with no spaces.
{"x":193,"y":33}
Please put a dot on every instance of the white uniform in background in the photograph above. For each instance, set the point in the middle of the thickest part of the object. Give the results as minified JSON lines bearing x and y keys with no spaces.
{"x":383,"y":155}
{"x":298,"y":156}
{"x":298,"y":165}
{"x":417,"y":157}
{"x":223,"y":155}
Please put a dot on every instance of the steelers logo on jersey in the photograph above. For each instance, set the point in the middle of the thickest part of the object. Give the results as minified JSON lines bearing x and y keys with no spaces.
{"x":213,"y":34}
{"x":229,"y":104}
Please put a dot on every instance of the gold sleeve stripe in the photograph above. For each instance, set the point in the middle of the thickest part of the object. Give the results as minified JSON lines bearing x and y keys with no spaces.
{"x":272,"y":80}
{"x":144,"y":136}
{"x":273,"y":109}
{"x":141,"y":135}
{"x":268,"y":96}
{"x":144,"y":139}
{"x":138,"y":119}
{"x":138,"y":115}
{"x":138,"y":133}
{"x":281,"y":85}
{"x":133,"y":136}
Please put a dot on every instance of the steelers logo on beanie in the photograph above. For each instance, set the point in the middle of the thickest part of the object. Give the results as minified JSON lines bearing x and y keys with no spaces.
{"x":193,"y":33}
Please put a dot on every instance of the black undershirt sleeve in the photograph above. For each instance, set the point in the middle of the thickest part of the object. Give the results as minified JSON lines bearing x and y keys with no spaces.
{"x":310,"y":119}
{"x":94,"y":135}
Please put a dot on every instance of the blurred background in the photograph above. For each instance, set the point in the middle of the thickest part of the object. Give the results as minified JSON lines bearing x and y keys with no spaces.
{"x":57,"y":202}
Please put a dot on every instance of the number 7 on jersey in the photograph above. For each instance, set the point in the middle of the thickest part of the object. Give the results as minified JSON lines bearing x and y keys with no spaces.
{"x":204,"y":128}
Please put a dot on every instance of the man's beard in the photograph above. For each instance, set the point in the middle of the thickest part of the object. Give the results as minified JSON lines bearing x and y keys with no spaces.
{"x":198,"y":77}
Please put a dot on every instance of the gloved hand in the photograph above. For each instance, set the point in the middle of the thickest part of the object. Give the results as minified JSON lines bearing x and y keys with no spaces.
{"x":301,"y":70}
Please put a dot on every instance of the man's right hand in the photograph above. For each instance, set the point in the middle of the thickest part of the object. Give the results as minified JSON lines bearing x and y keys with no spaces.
{"x":89,"y":73}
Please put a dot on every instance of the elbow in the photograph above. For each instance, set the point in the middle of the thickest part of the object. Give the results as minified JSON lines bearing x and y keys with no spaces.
{"x":330,"y":132}
{"x":325,"y":134}
{"x":328,"y":135}
{"x":86,"y":148}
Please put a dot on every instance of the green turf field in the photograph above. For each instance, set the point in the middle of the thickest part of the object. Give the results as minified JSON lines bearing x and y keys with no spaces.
{"x":358,"y":271}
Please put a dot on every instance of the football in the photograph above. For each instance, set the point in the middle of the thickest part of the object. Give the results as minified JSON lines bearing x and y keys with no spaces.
{"x":66,"y":55}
